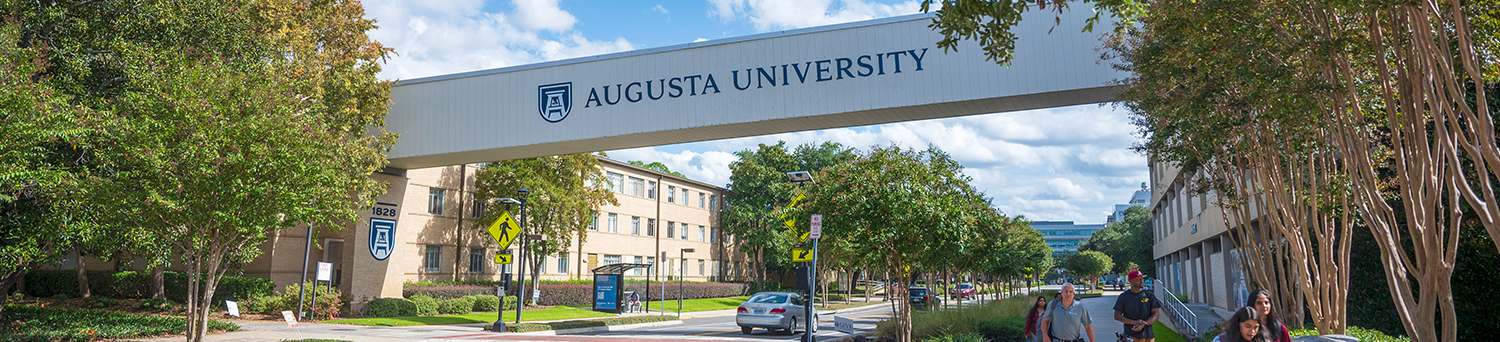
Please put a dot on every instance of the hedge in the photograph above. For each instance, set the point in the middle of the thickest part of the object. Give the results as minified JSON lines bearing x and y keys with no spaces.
{"x":329,"y":302}
{"x":390,"y":307}
{"x":456,"y":306}
{"x":529,"y":327}
{"x":426,"y":306}
{"x":137,"y":284}
{"x":35,"y":323}
{"x":583,"y":294}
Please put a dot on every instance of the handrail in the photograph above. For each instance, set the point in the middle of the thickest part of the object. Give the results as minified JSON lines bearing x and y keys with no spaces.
{"x":1182,"y":317}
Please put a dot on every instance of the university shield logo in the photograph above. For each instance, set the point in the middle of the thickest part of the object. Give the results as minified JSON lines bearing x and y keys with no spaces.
{"x":382,"y":238}
{"x":555,"y":101}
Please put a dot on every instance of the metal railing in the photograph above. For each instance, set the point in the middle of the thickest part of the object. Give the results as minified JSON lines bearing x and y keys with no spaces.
{"x":1181,"y":316}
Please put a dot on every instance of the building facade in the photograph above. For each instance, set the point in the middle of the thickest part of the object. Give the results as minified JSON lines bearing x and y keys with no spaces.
{"x":1193,"y":251}
{"x":426,"y":228}
{"x":1065,"y":236}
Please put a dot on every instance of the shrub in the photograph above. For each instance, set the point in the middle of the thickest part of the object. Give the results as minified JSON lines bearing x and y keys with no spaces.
{"x":137,"y":284}
{"x":268,"y":304}
{"x":578,"y":294}
{"x":329,"y":303}
{"x":390,"y":307}
{"x":157,"y":304}
{"x":102,"y":302}
{"x":484,"y":303}
{"x":1002,"y":320}
{"x":426,"y":306}
{"x":54,"y":324}
{"x":456,"y":306}
{"x":1360,"y":333}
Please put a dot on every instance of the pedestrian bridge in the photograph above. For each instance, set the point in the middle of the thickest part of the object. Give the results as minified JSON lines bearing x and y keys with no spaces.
{"x":855,"y":74}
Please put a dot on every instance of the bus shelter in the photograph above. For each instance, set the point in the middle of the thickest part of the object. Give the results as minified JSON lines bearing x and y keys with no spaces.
{"x":609,"y":283}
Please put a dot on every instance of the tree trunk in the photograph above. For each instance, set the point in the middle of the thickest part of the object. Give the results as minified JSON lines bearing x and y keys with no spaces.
{"x":159,"y":282}
{"x":83,"y":277}
{"x":9,"y":280}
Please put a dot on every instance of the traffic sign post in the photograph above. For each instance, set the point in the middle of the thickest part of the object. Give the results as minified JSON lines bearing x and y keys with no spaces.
{"x":817,"y":227}
{"x":814,"y":233}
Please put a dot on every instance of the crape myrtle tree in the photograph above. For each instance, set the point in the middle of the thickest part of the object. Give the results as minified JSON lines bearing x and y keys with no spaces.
{"x":566,"y":191}
{"x":226,"y":120}
{"x":1088,"y":265}
{"x":1122,"y":240}
{"x":759,"y":193}
{"x":895,"y":207}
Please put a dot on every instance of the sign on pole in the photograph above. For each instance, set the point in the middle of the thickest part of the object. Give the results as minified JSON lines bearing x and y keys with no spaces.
{"x":843,"y":324}
{"x":791,"y":222}
{"x":502,"y":258}
{"x":504,"y":230}
{"x":325,"y":271}
{"x":801,"y":255}
{"x":817,"y":227}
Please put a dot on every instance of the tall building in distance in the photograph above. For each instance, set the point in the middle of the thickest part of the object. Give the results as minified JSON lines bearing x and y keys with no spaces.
{"x":1141,"y":197}
{"x":1065,"y":236}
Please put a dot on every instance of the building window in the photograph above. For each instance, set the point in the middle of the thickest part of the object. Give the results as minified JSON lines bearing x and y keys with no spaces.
{"x":652,"y":261}
{"x":562,"y":263}
{"x":651,"y":189}
{"x":594,"y":220}
{"x":611,"y":259}
{"x":637,"y":187}
{"x":635,"y":225}
{"x":476,"y":260}
{"x":435,"y":201}
{"x":614,"y":223}
{"x":684,"y":231}
{"x":616,"y":182}
{"x":702,"y":201}
{"x":671,"y":194}
{"x":638,"y":270}
{"x":684,"y":196}
{"x":713,"y":202}
{"x":671,"y":229}
{"x":702,"y":231}
{"x":700,"y":266}
{"x":713,"y":238}
{"x":650,"y":227}
{"x":479,"y":207}
{"x":434,"y":259}
{"x":543,"y":269}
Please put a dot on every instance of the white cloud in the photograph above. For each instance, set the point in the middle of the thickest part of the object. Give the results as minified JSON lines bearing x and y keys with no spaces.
{"x":709,"y":167}
{"x":769,"y":15}
{"x":1064,"y":189}
{"x":700,"y":40}
{"x":443,"y":37}
{"x":659,"y":9}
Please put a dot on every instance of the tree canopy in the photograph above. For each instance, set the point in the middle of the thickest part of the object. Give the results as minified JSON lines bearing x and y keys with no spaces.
{"x":1122,"y":240}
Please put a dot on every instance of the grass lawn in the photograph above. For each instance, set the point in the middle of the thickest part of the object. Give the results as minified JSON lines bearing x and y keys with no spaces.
{"x":36,"y":323}
{"x":550,"y":314}
{"x":1165,"y":334}
{"x":701,"y":304}
{"x":841,"y":305}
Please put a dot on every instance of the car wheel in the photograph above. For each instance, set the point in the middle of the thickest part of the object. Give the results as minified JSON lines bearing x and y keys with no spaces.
{"x":746,"y":330}
{"x":813,"y":329}
{"x":792,"y":327}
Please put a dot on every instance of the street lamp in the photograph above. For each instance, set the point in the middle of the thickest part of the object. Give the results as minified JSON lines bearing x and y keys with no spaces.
{"x":681,"y":271}
{"x":520,"y":274}
{"x":803,"y":178}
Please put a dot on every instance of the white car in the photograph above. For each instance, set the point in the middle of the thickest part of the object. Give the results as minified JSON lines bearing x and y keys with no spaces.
{"x":773,"y":311}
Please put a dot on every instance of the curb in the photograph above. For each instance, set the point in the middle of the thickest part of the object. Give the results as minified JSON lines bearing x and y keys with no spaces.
{"x":598,"y":329}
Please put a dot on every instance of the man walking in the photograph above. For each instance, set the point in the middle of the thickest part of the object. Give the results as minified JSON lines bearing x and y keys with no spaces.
{"x":1137,"y":309}
{"x":1065,"y":320}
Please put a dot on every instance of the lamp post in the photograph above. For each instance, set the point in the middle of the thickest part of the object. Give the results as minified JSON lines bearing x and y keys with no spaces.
{"x":520,"y":275}
{"x":802,"y":178}
{"x":499,"y":325}
{"x":681,"y":271}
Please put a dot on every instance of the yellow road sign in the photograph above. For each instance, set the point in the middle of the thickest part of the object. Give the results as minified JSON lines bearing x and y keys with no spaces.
{"x":505,"y":230}
{"x":502,"y":259}
{"x":801,"y":255}
{"x":791,"y":222}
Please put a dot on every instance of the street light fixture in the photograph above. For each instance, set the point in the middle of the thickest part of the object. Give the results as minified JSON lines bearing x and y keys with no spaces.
{"x":681,"y":271}
{"x":520,"y":273}
{"x":800,"y":177}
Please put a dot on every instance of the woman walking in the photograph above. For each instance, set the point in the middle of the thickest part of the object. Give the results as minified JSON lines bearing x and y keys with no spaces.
{"x":1269,"y":320}
{"x":1244,"y":326}
{"x":1035,"y":315}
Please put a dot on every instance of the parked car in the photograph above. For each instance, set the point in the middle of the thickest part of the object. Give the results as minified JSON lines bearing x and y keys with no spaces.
{"x":920,"y":296}
{"x":964,"y":290}
{"x":774,"y":311}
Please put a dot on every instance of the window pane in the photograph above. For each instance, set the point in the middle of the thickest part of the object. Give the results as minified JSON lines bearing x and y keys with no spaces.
{"x":594,"y":220}
{"x":637,"y":186}
{"x":651,"y":189}
{"x":479,"y":207}
{"x":702,"y":232}
{"x":650,"y":227}
{"x":435,"y":201}
{"x":433,"y":259}
{"x":671,"y":229}
{"x":702,"y":200}
{"x":562,"y":263}
{"x":684,"y":231}
{"x":611,"y":259}
{"x":616,"y":182}
{"x":635,"y":225}
{"x":671,"y":194}
{"x":684,"y":196}
{"x":613,"y":223}
{"x":713,"y":202}
{"x":476,"y":260}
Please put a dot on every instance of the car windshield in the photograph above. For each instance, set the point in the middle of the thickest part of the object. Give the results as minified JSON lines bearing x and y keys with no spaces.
{"x":768,"y":298}
{"x":919,"y":292}
{"x":963,"y":286}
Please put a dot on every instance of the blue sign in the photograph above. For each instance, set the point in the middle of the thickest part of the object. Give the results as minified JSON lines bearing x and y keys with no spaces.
{"x":382,"y":238}
{"x":555,"y":101}
{"x":606,"y":292}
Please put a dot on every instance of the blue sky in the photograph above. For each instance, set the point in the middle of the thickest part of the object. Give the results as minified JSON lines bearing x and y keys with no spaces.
{"x":1070,"y":163}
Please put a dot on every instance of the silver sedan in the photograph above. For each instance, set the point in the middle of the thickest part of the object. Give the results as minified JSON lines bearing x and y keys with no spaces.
{"x":772,"y":311}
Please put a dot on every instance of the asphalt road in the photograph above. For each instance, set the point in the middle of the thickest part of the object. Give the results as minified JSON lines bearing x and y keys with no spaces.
{"x":721,"y":327}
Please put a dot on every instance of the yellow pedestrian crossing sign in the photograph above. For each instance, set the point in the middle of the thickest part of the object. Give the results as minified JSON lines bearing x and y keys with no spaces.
{"x":504,"y":230}
{"x":802,"y":255}
{"x":502,"y":258}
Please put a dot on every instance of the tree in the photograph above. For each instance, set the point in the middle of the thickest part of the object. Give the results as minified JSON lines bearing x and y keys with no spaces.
{"x":759,"y":193}
{"x":895,"y":208}
{"x":989,"y":21}
{"x":1088,"y":265}
{"x":1122,"y":240}
{"x":658,"y":166}
{"x":566,"y":193}
{"x":226,"y":120}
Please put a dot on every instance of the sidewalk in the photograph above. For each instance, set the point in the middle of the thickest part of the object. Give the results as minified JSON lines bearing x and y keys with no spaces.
{"x":731,"y":312}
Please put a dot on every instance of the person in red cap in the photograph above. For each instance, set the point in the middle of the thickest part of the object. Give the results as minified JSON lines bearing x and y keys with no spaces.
{"x":1137,"y":309}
